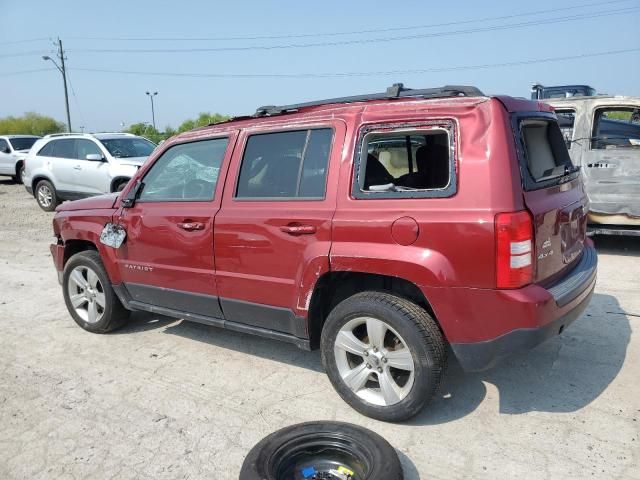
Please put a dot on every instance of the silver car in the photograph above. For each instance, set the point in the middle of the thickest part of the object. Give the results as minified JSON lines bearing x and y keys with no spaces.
{"x":13,"y":150}
{"x":602,"y":133}
{"x":71,"y":166}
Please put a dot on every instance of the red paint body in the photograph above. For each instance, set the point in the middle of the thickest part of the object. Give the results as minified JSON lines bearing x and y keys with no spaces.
{"x":444,"y":246}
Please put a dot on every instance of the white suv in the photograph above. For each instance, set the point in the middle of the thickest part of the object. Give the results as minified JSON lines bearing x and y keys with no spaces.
{"x":71,"y":166}
{"x":13,"y":150}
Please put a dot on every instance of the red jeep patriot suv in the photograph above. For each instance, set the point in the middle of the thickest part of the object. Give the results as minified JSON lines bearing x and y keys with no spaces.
{"x":380,"y":228}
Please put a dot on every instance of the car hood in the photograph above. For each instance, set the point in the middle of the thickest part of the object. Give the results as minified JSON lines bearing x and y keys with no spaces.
{"x":21,"y":153}
{"x":91,"y":203}
{"x":132,"y":161}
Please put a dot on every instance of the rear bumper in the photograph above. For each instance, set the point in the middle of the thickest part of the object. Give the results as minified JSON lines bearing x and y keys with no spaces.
{"x":534,"y":314}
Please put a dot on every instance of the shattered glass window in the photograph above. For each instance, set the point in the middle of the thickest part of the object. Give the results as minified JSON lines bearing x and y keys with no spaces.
{"x":185,"y":172}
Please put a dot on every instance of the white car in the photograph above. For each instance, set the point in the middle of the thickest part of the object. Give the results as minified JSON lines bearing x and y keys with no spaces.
{"x":13,"y":150}
{"x":71,"y":166}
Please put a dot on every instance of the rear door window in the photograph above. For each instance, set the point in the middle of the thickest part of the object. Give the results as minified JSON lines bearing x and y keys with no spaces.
{"x":290,"y":164}
{"x":65,"y":148}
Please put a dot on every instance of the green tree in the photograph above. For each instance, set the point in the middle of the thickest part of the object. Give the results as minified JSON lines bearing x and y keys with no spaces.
{"x":30,"y":123}
{"x":146,"y":130}
{"x":204,"y":118}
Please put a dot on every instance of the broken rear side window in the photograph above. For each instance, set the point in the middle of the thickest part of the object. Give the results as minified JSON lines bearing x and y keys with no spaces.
{"x":545,"y":150}
{"x":405,"y":164}
{"x":616,"y":128}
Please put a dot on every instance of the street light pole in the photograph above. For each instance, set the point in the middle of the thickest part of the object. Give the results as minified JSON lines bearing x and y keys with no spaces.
{"x":153,"y":113}
{"x":63,"y":71}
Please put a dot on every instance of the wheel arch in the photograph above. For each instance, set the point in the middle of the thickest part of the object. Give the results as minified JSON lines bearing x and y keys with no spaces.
{"x":19,"y":164}
{"x":73,"y":246}
{"x":116,"y":181}
{"x":36,"y":179}
{"x":336,"y":286}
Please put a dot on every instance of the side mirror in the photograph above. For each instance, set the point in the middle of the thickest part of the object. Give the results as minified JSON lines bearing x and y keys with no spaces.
{"x":95,"y":157}
{"x":132,"y":195}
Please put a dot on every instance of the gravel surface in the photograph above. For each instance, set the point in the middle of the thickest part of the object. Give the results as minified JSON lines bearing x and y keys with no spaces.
{"x":167,"y":399}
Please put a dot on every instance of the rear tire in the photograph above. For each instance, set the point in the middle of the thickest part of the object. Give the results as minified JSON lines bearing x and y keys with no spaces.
{"x":89,"y":295}
{"x":46,"y":196}
{"x":19,"y":176}
{"x":384,"y":355}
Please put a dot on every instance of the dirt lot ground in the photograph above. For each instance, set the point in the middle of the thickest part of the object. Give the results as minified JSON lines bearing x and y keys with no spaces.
{"x":166,"y":399}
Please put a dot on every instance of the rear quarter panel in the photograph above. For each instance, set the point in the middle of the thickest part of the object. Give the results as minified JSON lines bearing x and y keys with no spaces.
{"x":455,"y":244}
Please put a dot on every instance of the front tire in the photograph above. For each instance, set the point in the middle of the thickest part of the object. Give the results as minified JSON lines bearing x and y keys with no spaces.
{"x":46,"y":196}
{"x":384,"y":355}
{"x":89,"y":296}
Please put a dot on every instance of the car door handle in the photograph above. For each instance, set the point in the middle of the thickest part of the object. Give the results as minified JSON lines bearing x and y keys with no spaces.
{"x":77,"y":167}
{"x":191,"y":226}
{"x":298,"y":229}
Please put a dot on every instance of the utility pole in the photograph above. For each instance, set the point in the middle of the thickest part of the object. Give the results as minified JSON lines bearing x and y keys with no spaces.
{"x":153,"y":113}
{"x":64,"y":79}
{"x":63,"y":71}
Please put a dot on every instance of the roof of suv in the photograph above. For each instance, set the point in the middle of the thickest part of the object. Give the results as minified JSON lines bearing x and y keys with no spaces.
{"x":99,"y":136}
{"x":19,"y":136}
{"x":397,"y":94}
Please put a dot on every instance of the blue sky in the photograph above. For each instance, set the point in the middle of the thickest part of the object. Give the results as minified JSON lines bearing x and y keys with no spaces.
{"x":103,"y":100}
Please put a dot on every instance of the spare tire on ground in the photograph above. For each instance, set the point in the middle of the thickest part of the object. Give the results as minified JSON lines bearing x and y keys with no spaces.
{"x":322,"y":451}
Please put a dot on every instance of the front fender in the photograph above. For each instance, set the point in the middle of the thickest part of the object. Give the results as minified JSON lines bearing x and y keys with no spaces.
{"x":87,"y":226}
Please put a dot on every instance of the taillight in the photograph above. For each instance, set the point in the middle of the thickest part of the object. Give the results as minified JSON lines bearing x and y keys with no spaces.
{"x":514,"y":249}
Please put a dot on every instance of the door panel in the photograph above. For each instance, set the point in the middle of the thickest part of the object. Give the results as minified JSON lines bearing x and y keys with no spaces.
{"x":91,"y":176}
{"x":611,"y":161}
{"x":278,"y":229}
{"x":167,"y":259}
{"x":7,"y":162}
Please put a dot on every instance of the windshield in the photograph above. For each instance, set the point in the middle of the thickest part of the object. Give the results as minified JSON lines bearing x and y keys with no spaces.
{"x":128,"y":147}
{"x":23,"y":143}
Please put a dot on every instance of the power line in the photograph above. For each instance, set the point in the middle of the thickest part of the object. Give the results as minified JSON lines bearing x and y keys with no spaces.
{"x":370,"y":40}
{"x":21,"y":72}
{"x":21,"y":54}
{"x":364,"y":74}
{"x":27,"y":40}
{"x":351,"y":32}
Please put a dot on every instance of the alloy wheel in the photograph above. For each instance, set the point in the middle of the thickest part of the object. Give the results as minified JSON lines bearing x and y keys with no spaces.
{"x":374,"y":361}
{"x":86,"y":294}
{"x":45,"y":196}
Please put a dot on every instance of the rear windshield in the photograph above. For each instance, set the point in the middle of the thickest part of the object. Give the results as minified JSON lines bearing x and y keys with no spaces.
{"x":23,"y":143}
{"x":128,"y":147}
{"x":545,"y":150}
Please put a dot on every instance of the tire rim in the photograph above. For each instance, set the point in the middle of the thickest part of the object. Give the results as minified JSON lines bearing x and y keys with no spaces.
{"x":45,"y":196}
{"x":374,"y":361}
{"x":86,"y":294}
{"x":324,"y":456}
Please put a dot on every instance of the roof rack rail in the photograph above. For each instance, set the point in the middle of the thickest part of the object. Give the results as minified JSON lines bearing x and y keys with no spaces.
{"x":63,"y":134}
{"x":397,"y":90}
